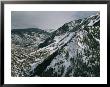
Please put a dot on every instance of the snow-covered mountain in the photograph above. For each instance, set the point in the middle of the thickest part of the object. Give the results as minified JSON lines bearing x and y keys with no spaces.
{"x":71,"y":50}
{"x":28,"y":37}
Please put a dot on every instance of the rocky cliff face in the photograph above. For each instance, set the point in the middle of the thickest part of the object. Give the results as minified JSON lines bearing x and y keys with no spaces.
{"x":71,"y":50}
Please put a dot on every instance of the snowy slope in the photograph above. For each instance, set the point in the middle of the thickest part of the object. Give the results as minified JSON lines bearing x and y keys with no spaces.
{"x":77,"y":54}
{"x":71,"y":50}
{"x":27,"y":37}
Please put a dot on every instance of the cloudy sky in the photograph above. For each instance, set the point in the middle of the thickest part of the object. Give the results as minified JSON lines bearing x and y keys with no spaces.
{"x":45,"y":19}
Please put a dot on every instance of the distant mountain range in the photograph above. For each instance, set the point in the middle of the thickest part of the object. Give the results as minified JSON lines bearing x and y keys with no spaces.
{"x":73,"y":50}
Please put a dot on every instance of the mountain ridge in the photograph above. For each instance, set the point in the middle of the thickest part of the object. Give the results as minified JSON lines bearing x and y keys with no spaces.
{"x":68,"y":51}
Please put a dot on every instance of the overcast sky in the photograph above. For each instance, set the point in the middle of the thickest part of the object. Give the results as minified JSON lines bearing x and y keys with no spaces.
{"x":45,"y":19}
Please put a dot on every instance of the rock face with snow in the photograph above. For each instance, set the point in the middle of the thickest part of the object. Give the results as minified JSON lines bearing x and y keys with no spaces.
{"x":73,"y":50}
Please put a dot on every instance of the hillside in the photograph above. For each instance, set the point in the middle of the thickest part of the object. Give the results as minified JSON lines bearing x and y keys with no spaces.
{"x":73,"y":50}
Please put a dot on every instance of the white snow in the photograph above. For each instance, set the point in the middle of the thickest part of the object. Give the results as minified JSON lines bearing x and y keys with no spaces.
{"x":33,"y":66}
{"x":66,"y":39}
{"x":58,"y":38}
{"x":82,"y":26}
{"x":85,"y":59}
{"x":97,"y":39}
{"x":21,"y":60}
{"x":91,"y":23}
